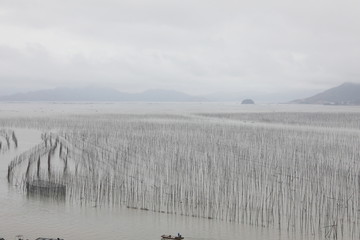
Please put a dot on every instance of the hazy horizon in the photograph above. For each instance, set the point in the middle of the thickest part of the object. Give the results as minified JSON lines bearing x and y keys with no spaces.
{"x":277,"y":48}
{"x":258,"y":97}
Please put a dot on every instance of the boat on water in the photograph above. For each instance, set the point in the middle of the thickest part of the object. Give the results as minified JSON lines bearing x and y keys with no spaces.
{"x":178,"y":237}
{"x":49,"y":239}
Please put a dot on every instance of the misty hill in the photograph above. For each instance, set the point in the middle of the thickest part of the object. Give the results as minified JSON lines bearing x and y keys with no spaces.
{"x":99,"y":94}
{"x":258,"y":96}
{"x":345,"y":94}
{"x":248,"y":101}
{"x":166,"y":96}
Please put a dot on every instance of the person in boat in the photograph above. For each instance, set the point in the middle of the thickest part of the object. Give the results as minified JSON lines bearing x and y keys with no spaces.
{"x":179,"y":235}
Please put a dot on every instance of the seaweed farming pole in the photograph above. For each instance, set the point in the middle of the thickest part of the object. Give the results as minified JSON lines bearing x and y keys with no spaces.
{"x":49,"y":164}
{"x":295,"y":180}
{"x":14,"y":139}
{"x":38,"y":168}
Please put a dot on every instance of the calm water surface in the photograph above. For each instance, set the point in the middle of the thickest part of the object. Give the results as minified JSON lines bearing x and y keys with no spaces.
{"x":34,"y":217}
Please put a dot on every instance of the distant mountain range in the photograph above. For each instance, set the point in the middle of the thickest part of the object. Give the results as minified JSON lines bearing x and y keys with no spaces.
{"x":345,"y":94}
{"x":95,"y":94}
{"x":100,"y":95}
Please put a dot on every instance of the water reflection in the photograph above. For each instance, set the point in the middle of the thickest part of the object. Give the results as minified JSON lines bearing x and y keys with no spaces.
{"x":46,"y":189}
{"x":35,"y":216}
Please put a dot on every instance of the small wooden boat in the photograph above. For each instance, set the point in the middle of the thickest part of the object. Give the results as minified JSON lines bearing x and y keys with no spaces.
{"x":179,"y":237}
{"x":49,"y":239}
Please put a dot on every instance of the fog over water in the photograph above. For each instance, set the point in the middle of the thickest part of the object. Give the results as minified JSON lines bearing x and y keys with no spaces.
{"x":34,"y":217}
{"x":259,"y":171}
{"x":198,"y":47}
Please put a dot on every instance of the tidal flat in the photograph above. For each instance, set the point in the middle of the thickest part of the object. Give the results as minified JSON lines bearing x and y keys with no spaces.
{"x":207,"y":170}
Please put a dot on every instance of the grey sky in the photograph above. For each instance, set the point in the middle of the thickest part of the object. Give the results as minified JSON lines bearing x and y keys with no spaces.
{"x":197,"y":46}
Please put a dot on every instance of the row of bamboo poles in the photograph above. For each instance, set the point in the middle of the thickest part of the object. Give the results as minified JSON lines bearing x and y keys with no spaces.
{"x":7,"y":139}
{"x":300,"y":180}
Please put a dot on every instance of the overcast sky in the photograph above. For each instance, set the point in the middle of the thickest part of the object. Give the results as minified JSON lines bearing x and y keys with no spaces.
{"x":194,"y":46}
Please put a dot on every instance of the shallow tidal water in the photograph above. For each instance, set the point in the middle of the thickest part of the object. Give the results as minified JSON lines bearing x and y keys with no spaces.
{"x":35,"y":217}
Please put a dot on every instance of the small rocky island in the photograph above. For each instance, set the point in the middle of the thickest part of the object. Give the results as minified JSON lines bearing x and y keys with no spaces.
{"x":247,"y":101}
